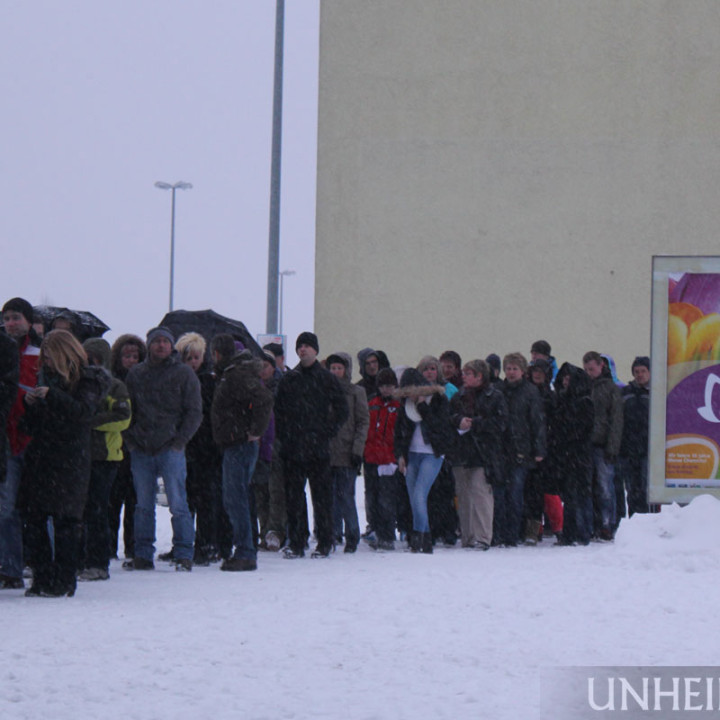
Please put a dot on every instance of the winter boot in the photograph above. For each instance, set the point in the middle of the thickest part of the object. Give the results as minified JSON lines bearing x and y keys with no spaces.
{"x":415,"y":542}
{"x":426,"y":543}
{"x":533,"y":530}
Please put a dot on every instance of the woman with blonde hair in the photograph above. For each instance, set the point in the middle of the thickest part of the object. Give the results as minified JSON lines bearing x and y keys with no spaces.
{"x":59,"y":419}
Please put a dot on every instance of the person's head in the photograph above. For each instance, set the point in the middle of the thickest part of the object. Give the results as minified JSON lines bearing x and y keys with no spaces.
{"x":494,"y":363}
{"x":65,"y":320}
{"x":17,"y":315}
{"x":371,"y":365}
{"x":337,"y":365}
{"x":386,"y":382}
{"x":222,"y":348}
{"x":268,"y":366}
{"x":430,"y":368}
{"x":539,"y":372}
{"x":159,"y":344}
{"x":540,"y":350}
{"x":307,"y":348}
{"x":450,"y":363}
{"x":191,"y":348}
{"x":476,"y":374}
{"x":641,"y":370}
{"x":98,"y":352}
{"x":62,"y":354}
{"x":514,"y":367}
{"x":594,"y":364}
{"x":278,"y":353}
{"x":127,"y":351}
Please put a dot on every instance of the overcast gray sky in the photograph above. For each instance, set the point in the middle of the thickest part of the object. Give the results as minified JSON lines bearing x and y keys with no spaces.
{"x":102,"y":99}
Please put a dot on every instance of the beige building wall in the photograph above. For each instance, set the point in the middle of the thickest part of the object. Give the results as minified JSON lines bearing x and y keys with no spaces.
{"x":492,"y":172}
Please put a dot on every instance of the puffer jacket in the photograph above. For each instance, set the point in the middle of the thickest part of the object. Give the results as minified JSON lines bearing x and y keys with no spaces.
{"x":350,"y":439}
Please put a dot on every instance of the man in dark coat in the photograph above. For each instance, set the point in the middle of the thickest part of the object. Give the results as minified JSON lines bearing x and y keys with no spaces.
{"x":9,"y":372}
{"x":167,"y":411}
{"x":309,"y":410}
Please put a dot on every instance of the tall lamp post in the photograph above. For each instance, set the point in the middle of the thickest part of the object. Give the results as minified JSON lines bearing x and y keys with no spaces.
{"x":177,"y":186}
{"x":283,"y":274}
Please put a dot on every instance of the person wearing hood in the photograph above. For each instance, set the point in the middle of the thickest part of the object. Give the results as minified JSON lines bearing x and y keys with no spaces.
{"x":607,"y":435}
{"x":541,"y":350}
{"x":423,"y":435}
{"x":111,"y":418}
{"x":241,"y":412}
{"x":167,"y":411}
{"x":59,"y":417}
{"x":346,"y":453}
{"x":573,"y":452}
{"x":370,"y":363}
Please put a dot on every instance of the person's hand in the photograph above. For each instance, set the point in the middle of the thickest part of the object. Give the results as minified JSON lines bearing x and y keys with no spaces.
{"x":539,"y":459}
{"x":402,"y":465}
{"x":466,"y":423}
{"x":38,"y":393}
{"x":253,"y":438}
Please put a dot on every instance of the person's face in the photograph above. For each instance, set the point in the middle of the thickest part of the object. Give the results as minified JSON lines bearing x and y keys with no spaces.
{"x":307,"y":354}
{"x":593,"y":368}
{"x":16,"y":324}
{"x":641,"y":375}
{"x":386,"y":391}
{"x":566,"y":381}
{"x":430,"y":373}
{"x":160,"y":349}
{"x":372,"y":365}
{"x":449,"y":368}
{"x":537,"y":377}
{"x":513,"y":373}
{"x":62,"y":324}
{"x":470,"y":379}
{"x":39,"y":328}
{"x":194,"y":359}
{"x":267,"y":371}
{"x":280,"y":361}
{"x":129,"y":356}
{"x":338,"y":370}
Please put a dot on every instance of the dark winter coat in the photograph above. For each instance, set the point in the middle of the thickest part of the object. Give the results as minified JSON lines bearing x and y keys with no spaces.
{"x":166,"y":406}
{"x":9,"y":373}
{"x":56,"y":475}
{"x":435,"y":423}
{"x":482,"y":445}
{"x":608,"y":428}
{"x":310,"y":408}
{"x":111,"y":419}
{"x":201,"y":449}
{"x":636,"y":418}
{"x":526,"y":434}
{"x":242,"y":405}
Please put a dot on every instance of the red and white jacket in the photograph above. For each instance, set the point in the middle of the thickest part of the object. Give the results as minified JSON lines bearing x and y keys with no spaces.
{"x":379,"y":446}
{"x":29,"y":356}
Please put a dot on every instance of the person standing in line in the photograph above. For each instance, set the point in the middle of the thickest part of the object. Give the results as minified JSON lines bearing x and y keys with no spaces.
{"x":167,"y":411}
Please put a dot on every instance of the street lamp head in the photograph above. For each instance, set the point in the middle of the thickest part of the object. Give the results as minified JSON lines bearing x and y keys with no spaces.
{"x":180,"y":185}
{"x":163,"y":185}
{"x":287,"y":272}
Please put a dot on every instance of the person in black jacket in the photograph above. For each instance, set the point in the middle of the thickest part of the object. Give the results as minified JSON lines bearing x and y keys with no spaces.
{"x":55,"y":482}
{"x":423,"y":435}
{"x":573,"y":452}
{"x":525,"y":447}
{"x":9,"y":373}
{"x":310,"y":409}
{"x":479,"y":412}
{"x":633,"y":459}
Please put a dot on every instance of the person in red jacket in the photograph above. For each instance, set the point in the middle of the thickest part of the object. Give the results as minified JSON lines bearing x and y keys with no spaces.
{"x":17,"y":315}
{"x":380,"y":462}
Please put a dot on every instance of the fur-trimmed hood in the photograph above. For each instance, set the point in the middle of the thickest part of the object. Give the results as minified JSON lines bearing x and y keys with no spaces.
{"x":416,"y":391}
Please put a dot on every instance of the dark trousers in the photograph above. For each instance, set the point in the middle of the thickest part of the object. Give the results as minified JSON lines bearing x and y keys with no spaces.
{"x":382,"y":501}
{"x":96,"y":517}
{"x":576,"y":486}
{"x":441,"y":506}
{"x":317,"y":473}
{"x":213,"y":531}
{"x":53,"y":572}
{"x":344,"y":508}
{"x":122,"y":494}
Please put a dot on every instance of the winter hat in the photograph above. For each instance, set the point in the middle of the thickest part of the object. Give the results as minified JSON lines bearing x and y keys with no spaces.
{"x":494,"y":362}
{"x":275,"y":348}
{"x":542,"y":347}
{"x":541,"y":364}
{"x":98,"y":348}
{"x":307,"y":338}
{"x":412,"y":378}
{"x":643,"y":360}
{"x":336,"y":358}
{"x":387,"y":376}
{"x":239,"y":347}
{"x":269,"y":357}
{"x":160,"y":331}
{"x":22,"y":306}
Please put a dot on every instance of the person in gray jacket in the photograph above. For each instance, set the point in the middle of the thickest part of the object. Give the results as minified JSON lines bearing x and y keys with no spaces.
{"x":167,"y":411}
{"x":346,"y":452}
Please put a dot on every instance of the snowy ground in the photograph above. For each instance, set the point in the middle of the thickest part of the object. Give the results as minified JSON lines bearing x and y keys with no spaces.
{"x":459,"y":634}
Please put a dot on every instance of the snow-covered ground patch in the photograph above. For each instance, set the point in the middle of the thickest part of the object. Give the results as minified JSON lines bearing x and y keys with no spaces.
{"x":458,"y":634}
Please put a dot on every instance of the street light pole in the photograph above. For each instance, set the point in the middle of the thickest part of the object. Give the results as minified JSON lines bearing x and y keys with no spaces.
{"x":180,"y":185}
{"x":283,"y":274}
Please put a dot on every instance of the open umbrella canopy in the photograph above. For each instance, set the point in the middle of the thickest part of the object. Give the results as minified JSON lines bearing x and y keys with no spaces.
{"x":208,"y":323}
{"x":85,"y":325}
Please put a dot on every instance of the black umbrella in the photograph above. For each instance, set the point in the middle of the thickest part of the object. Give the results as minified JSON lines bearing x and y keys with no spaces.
{"x":208,"y":323}
{"x":85,"y":324}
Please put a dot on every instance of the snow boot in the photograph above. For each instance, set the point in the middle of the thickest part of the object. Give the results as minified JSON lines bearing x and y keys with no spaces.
{"x":426,"y":543}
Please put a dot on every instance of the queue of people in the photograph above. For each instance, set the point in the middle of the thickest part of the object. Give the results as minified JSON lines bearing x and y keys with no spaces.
{"x":449,"y":452}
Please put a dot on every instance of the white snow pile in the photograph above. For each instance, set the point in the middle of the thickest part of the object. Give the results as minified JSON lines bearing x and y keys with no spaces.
{"x":372,"y":636}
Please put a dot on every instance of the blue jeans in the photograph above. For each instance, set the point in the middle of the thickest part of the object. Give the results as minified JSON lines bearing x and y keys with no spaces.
{"x":343,"y":479}
{"x":422,"y":469}
{"x":508,"y":510}
{"x":604,"y":490}
{"x":238,"y":466}
{"x":11,"y":543}
{"x":170,"y":465}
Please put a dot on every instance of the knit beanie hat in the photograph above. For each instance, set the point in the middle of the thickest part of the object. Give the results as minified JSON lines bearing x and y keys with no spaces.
{"x":160,"y":331}
{"x":269,"y":357}
{"x":22,"y":306}
{"x":493,"y":360}
{"x":307,"y":338}
{"x":542,"y":347}
{"x":98,"y":348}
